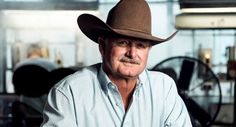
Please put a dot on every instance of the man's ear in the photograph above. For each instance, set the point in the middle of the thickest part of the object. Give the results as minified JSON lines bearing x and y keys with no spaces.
{"x":101,"y":44}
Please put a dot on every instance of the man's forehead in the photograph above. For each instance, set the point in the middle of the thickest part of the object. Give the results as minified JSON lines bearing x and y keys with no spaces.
{"x":132,"y":39}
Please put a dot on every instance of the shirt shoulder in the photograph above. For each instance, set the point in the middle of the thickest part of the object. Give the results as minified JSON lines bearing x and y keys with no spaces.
{"x":84,"y":77}
{"x":160,"y":81}
{"x":158,"y":76}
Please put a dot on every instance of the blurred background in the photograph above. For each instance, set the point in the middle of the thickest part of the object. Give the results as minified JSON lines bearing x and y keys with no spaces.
{"x":44,"y":33}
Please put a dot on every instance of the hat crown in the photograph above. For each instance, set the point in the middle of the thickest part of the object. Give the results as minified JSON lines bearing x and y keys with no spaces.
{"x":131,"y":18}
{"x":131,"y":15}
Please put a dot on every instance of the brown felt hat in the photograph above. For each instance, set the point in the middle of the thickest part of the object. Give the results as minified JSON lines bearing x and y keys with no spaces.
{"x":131,"y":18}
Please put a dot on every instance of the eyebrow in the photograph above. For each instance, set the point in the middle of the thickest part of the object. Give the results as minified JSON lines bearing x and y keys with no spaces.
{"x":126,"y":37}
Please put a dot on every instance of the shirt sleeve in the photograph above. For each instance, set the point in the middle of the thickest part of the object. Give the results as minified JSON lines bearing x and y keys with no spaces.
{"x":59,"y":110}
{"x":176,"y":112}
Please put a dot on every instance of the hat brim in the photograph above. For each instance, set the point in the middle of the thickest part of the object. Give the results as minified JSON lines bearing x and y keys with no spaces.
{"x":93,"y":28}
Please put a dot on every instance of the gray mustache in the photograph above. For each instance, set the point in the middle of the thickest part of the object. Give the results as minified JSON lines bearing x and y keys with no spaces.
{"x":128,"y":60}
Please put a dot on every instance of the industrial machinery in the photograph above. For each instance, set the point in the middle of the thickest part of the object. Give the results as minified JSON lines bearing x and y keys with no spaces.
{"x":197,"y":85}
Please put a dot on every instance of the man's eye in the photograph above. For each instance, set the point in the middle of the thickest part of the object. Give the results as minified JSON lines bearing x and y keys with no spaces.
{"x":142,"y":45}
{"x":122,"y":43}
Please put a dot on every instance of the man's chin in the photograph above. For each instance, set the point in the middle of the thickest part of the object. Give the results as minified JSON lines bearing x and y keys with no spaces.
{"x":129,"y":75}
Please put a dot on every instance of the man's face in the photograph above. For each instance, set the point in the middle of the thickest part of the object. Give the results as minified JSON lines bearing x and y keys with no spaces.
{"x":124,"y":57}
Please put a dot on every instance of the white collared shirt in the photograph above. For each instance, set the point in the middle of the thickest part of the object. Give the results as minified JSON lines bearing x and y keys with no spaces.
{"x":89,"y":99}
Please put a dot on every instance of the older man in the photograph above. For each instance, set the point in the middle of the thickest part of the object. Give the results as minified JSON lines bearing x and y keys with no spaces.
{"x":119,"y":92}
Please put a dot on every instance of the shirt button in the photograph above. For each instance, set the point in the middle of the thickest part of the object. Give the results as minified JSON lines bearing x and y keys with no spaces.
{"x":168,"y":124}
{"x":117,"y":104}
{"x":113,"y":87}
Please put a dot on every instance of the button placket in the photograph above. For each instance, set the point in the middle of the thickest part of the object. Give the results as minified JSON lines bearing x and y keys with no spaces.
{"x":116,"y":100}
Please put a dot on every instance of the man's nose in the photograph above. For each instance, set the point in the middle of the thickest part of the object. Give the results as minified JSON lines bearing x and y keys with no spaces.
{"x":132,"y":51}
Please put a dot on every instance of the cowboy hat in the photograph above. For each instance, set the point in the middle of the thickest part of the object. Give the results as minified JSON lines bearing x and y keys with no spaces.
{"x":131,"y":18}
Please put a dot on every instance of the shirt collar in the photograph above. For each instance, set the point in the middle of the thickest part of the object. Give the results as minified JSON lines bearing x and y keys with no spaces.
{"x":141,"y":80}
{"x":103,"y":80}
